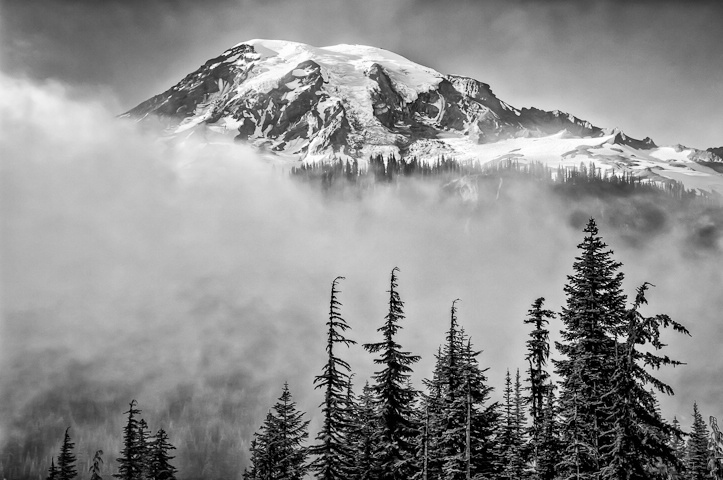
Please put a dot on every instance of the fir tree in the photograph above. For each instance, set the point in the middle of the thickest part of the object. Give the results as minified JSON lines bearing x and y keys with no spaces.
{"x":66,"y":459}
{"x":550,"y":447}
{"x":96,"y":466}
{"x":52,"y":471}
{"x":460,"y":424}
{"x":592,"y":320}
{"x":291,"y":431}
{"x":144,"y":448}
{"x":697,"y":448}
{"x":510,"y":461}
{"x":333,"y":455}
{"x":160,"y":467}
{"x":677,"y":444}
{"x":363,"y":438}
{"x":538,"y":353}
{"x":130,"y":463}
{"x":639,"y":436}
{"x":393,"y":395}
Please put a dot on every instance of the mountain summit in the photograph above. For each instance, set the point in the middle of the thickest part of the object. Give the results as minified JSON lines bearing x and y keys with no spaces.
{"x":346,"y":102}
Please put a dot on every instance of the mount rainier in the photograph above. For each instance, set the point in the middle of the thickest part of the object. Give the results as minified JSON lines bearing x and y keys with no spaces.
{"x":307,"y":104}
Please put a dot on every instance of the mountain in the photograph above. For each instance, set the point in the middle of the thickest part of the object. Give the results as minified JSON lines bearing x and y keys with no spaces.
{"x":309,"y":104}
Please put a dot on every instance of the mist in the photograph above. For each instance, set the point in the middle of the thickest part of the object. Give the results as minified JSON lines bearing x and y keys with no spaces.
{"x":195,"y":279}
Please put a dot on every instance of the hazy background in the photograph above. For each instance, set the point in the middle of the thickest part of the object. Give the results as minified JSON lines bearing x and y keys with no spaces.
{"x":652,"y":68}
{"x":196,"y":279}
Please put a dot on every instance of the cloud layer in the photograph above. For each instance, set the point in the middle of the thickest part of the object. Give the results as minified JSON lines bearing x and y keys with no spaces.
{"x":196,"y":278}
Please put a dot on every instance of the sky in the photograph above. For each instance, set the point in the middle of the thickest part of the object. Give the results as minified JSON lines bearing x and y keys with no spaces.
{"x":651,"y":68}
{"x":199,"y":276}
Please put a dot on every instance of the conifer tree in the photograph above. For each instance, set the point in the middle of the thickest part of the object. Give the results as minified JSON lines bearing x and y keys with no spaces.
{"x":130,"y":463}
{"x":550,"y":447}
{"x":363,"y":437}
{"x":639,"y":435}
{"x":291,"y":431}
{"x":333,"y":455}
{"x":144,"y":448}
{"x":160,"y":467}
{"x":519,"y":458}
{"x":538,"y":353}
{"x":52,"y":471}
{"x":697,"y":448}
{"x":510,"y":460}
{"x":460,"y":424}
{"x":677,"y":444}
{"x":592,"y":319}
{"x":66,"y":459}
{"x":393,"y":395}
{"x":96,"y":466}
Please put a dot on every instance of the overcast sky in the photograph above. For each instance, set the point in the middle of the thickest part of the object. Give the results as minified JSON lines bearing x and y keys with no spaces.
{"x":652,"y":68}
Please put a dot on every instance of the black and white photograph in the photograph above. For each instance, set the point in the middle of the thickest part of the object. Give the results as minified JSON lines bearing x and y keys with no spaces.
{"x":361,"y":239}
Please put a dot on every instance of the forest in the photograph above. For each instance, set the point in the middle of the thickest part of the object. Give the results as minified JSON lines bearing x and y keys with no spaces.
{"x":585,"y":407}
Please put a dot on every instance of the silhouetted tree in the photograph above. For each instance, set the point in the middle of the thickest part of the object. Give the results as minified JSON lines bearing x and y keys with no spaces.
{"x":333,"y":454}
{"x":66,"y":459}
{"x":393,"y":395}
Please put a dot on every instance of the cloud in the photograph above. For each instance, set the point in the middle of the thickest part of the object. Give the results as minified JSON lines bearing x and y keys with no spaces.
{"x":195,"y":278}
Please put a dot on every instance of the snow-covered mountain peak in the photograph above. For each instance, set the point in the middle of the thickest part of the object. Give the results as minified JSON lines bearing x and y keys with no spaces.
{"x":350,"y":102}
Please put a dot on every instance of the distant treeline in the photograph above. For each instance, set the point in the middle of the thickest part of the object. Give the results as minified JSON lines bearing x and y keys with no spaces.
{"x":582,"y":179}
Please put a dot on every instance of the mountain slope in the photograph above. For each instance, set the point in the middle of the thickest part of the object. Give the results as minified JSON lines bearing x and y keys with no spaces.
{"x":349,"y":101}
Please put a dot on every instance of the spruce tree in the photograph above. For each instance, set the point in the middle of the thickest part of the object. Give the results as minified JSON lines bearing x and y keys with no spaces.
{"x":144,"y":448}
{"x":677,"y":444}
{"x":52,"y":471}
{"x":538,"y":354}
{"x":130,"y":463}
{"x":697,"y":448}
{"x":509,"y":440}
{"x":592,"y":319}
{"x":550,"y":447}
{"x":393,"y":395}
{"x":363,"y":437}
{"x":291,"y":431}
{"x":333,"y":454}
{"x":460,"y":424}
{"x":160,"y":467}
{"x":96,"y":466}
{"x":519,"y":459}
{"x":639,"y":436}
{"x":66,"y":459}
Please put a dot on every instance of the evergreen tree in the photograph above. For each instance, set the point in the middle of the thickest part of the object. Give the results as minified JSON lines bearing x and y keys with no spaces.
{"x":291,"y":431}
{"x":144,"y":448}
{"x":52,"y":471}
{"x":510,"y":458}
{"x":550,"y":447}
{"x":538,"y":353}
{"x":130,"y":463}
{"x":363,"y":437}
{"x":66,"y":459}
{"x":96,"y":466}
{"x":393,"y":395}
{"x":333,"y":454}
{"x":639,"y":436}
{"x":592,"y":319}
{"x":160,"y":467}
{"x":460,"y":423}
{"x":519,"y":459}
{"x":677,"y":444}
{"x":716,"y":450}
{"x":697,"y":448}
